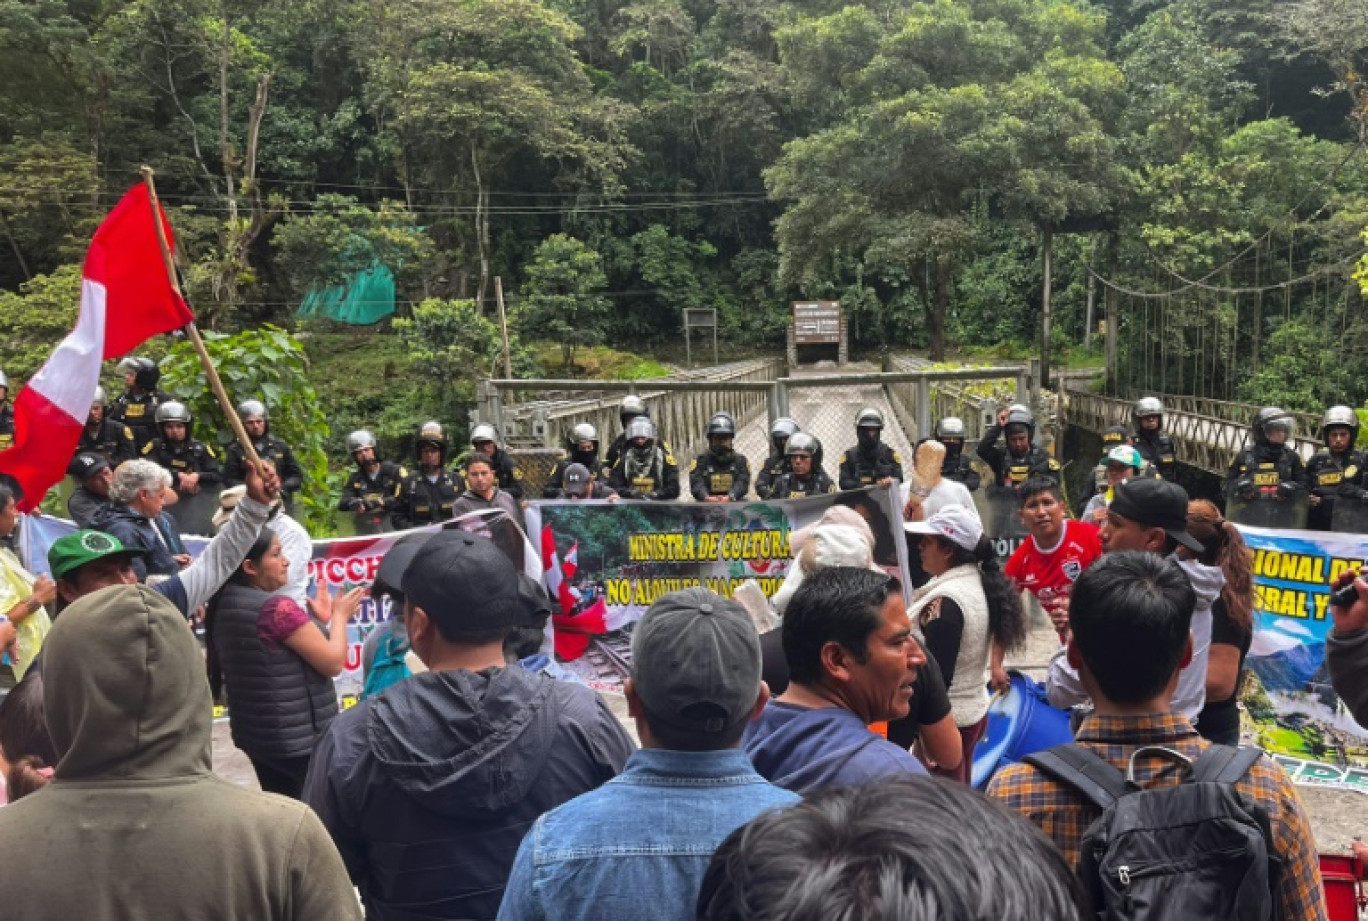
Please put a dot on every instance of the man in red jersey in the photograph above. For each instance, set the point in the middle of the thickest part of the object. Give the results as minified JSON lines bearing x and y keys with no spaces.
{"x":1056,"y":553}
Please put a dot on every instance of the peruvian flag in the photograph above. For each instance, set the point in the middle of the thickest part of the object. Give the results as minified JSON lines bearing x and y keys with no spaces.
{"x":572,"y":631}
{"x":570,"y":565}
{"x":126,"y":299}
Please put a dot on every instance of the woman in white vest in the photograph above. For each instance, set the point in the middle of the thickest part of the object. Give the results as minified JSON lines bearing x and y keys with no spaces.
{"x":967,"y":609}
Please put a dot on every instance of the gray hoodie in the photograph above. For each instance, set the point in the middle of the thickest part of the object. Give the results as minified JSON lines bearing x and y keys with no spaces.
{"x":429,"y":787}
{"x":1065,"y":690}
{"x":134,"y":824}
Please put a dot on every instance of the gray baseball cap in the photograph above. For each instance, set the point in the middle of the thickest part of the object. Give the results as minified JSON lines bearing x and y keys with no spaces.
{"x":696,"y":661}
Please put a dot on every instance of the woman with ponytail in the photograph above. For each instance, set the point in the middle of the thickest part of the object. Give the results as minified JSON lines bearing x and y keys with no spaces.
{"x":1232,"y":619}
{"x":967,"y":609}
{"x":27,"y":754}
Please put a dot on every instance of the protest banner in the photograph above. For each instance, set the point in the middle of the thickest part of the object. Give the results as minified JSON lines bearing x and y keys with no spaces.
{"x":1289,"y":704}
{"x":606,"y":562}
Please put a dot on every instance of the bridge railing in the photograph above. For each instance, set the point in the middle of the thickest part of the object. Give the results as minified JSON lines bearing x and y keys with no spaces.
{"x":1308,"y":424}
{"x":1206,"y":442}
{"x":935,"y":396}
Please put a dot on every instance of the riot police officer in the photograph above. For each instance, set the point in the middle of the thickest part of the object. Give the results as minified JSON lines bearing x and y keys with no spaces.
{"x":194,"y":469}
{"x":582,"y":448}
{"x":136,"y":408}
{"x":720,"y":474}
{"x":1270,"y":469}
{"x":646,"y":470}
{"x":1153,"y":443}
{"x":429,"y":494}
{"x":804,"y":477}
{"x":1019,"y":460}
{"x":6,"y":414}
{"x":870,"y":462}
{"x":268,"y":447}
{"x":485,"y":440}
{"x":371,"y":492}
{"x":1336,"y":472}
{"x":955,"y":466}
{"x":776,"y":465}
{"x":632,"y":406}
{"x":103,"y":436}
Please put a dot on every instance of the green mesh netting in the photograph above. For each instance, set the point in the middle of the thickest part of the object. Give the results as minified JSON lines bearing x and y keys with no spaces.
{"x":367,"y":298}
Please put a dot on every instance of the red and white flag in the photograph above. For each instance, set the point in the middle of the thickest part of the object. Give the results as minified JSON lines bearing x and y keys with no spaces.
{"x":126,"y":299}
{"x":571,"y":564}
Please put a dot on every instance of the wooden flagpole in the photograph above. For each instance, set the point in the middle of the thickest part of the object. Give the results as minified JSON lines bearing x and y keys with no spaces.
{"x":193,"y":332}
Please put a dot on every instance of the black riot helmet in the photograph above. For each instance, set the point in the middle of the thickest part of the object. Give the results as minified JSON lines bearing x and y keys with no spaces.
{"x":632,"y":406}
{"x":868,"y":427}
{"x":432,"y":433}
{"x":147,"y":376}
{"x":721,"y":429}
{"x":780,"y":432}
{"x":1272,"y":419}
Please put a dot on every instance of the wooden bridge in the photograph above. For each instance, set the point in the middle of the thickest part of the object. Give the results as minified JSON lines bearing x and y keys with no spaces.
{"x":1208,"y":434}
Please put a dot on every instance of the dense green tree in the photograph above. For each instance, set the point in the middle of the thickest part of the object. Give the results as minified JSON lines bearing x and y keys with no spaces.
{"x":560,"y":299}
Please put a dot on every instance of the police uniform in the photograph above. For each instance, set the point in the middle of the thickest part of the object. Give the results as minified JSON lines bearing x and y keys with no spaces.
{"x":188,"y":456}
{"x":268,"y":448}
{"x":859,"y":469}
{"x":709,"y":476}
{"x":1011,"y":471}
{"x":6,"y":426}
{"x":111,"y":440}
{"x":138,"y":412}
{"x":424,"y":501}
{"x":378,"y":494}
{"x":791,"y":486}
{"x":616,"y":448}
{"x":1157,"y":449}
{"x":1266,"y":469}
{"x":555,"y":483}
{"x":957,"y":467}
{"x":507,"y":474}
{"x":656,"y":479}
{"x":1334,"y":476}
{"x":776,"y":465}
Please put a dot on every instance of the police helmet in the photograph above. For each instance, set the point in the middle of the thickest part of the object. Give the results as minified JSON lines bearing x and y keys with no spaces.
{"x":1271,"y":419}
{"x":632,"y":406}
{"x":432,"y":433}
{"x":1341,"y":416}
{"x":869,"y":418}
{"x":359,"y":439}
{"x":1146,"y":407}
{"x":131,"y":365}
{"x":802,"y":443}
{"x":148,"y":376}
{"x":950,"y":427}
{"x":483,"y":432}
{"x":783,"y":429}
{"x":721,"y":424}
{"x":4,"y":381}
{"x":172,"y":411}
{"x":641,"y":427}
{"x":582,"y":433}
{"x":1023,"y":418}
{"x":252,"y":409}
{"x":1020,"y":408}
{"x":101,"y":399}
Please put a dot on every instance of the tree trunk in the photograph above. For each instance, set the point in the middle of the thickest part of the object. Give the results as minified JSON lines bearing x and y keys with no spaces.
{"x":1092,"y":302}
{"x":225,"y":138}
{"x":14,"y":244}
{"x":935,"y":317}
{"x":1047,"y":256}
{"x":481,"y":228}
{"x":1113,"y":314}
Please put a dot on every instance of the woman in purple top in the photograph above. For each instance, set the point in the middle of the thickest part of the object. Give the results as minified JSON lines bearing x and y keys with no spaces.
{"x":276,"y":664}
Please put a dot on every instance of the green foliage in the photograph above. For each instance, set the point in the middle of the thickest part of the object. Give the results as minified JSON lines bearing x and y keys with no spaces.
{"x":560,"y":299}
{"x":1302,"y":373}
{"x":451,"y":345}
{"x":267,"y":364}
{"x":341,"y":237}
{"x":33,"y":321}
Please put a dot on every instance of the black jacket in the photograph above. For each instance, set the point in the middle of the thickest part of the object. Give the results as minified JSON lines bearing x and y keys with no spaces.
{"x":789,"y":486}
{"x":6,"y":426}
{"x":1013,"y":471}
{"x":277,"y":703}
{"x":85,"y":507}
{"x":423,"y":501}
{"x":138,"y":412}
{"x":189,"y":456}
{"x":506,"y":472}
{"x":268,"y":448}
{"x":375,"y":498}
{"x":136,"y":530}
{"x":555,"y":483}
{"x":657,"y":481}
{"x":860,"y":469}
{"x":1334,"y":477}
{"x":1157,"y":448}
{"x":710,"y":477}
{"x":429,"y":788}
{"x":776,"y":465}
{"x":1264,"y":469}
{"x":111,"y":440}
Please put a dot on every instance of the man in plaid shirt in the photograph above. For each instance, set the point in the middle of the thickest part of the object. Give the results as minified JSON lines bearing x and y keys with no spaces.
{"x":1130,"y":615}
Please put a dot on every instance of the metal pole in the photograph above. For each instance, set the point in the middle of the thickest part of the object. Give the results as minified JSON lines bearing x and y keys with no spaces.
{"x":688,"y":342}
{"x":924,"y":423}
{"x":503,"y":327}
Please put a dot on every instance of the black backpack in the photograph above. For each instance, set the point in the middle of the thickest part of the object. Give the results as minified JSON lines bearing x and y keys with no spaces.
{"x":1198,"y":850}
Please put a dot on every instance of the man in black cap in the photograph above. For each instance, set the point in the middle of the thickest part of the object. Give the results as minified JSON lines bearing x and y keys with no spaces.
{"x":1151,"y":515}
{"x":638,"y":847}
{"x":91,"y":497}
{"x":577,"y":483}
{"x":428,"y":788}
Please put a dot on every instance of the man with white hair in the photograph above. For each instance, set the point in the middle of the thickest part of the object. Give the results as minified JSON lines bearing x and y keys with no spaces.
{"x":137,"y":520}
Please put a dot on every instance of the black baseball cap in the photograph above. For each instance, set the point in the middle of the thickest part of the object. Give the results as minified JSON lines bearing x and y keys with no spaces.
{"x":86,"y":464}
{"x":464,"y":582}
{"x":577,"y":480}
{"x":1156,"y":504}
{"x":696,"y":661}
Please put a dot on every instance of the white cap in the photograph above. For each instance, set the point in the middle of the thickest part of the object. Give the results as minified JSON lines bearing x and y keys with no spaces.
{"x":954,"y":522}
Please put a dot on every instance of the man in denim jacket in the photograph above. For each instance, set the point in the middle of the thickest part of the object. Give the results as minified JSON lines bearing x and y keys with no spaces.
{"x":637,"y":847}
